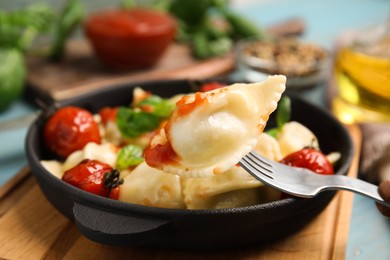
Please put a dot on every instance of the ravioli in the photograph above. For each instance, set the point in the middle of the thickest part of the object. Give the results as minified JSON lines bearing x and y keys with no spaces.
{"x":230,"y":189}
{"x":151,"y":187}
{"x":268,"y":147}
{"x":106,"y":153}
{"x":210,"y":132}
{"x":294,"y":137}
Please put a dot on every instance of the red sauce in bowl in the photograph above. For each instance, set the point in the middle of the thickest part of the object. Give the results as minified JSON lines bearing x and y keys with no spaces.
{"x":130,"y":38}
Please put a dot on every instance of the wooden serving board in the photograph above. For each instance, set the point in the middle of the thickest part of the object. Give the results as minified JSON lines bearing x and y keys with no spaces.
{"x":80,"y":71}
{"x":32,"y":229}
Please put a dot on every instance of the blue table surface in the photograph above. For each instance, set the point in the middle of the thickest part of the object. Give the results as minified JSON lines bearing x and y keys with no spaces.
{"x":369,"y":235}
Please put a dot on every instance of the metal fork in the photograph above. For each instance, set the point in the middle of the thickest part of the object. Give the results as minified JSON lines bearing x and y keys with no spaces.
{"x":303,"y":182}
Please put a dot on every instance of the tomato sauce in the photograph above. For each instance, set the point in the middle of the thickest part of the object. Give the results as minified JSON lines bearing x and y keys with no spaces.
{"x":163,"y":154}
{"x":159,"y":155}
{"x":184,"y":108}
{"x":130,"y":38}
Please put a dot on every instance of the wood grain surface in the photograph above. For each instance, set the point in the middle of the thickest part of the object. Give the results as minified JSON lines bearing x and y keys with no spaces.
{"x":32,"y":229}
{"x":80,"y":71}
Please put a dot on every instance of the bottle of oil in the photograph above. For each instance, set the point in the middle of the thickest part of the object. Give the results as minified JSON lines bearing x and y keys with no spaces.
{"x":362,"y":77}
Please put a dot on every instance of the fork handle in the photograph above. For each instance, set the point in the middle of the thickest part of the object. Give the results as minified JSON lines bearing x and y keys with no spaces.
{"x":358,"y":186}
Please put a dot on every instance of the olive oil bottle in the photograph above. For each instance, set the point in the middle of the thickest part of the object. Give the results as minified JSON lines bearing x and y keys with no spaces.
{"x":362,"y":77}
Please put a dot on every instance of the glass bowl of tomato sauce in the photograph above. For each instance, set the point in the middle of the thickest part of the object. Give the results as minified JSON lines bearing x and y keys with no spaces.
{"x":129,"y":38}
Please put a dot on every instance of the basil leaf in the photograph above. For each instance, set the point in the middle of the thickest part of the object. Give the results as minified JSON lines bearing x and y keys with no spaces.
{"x":273,"y":132}
{"x":133,"y":123}
{"x":283,"y":115}
{"x":158,"y":106}
{"x":129,"y":155}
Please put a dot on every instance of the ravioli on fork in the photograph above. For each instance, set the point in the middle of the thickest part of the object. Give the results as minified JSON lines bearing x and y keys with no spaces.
{"x":209,"y":132}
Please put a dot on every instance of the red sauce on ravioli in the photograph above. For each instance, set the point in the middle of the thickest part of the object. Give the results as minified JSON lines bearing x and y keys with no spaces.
{"x":163,"y":154}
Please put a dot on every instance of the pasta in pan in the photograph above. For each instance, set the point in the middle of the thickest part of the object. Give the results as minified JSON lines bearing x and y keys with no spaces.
{"x":208,"y":134}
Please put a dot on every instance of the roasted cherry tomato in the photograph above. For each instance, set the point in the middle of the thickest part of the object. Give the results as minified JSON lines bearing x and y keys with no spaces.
{"x":95,"y":177}
{"x":311,"y":159}
{"x":108,"y":114}
{"x":210,"y":86}
{"x":69,"y":129}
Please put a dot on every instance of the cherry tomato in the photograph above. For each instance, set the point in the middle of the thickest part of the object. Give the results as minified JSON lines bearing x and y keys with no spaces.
{"x":108,"y":114}
{"x":130,"y":38}
{"x":211,"y":86}
{"x":311,"y":159}
{"x":69,"y":129}
{"x":95,"y":177}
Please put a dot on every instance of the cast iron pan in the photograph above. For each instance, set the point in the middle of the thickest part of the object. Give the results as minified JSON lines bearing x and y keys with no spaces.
{"x":118,"y":223}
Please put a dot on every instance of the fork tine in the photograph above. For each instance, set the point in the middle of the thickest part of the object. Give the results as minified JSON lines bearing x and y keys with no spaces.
{"x":260,"y":162}
{"x":250,"y":165}
{"x":262,"y":159}
{"x":250,"y":168}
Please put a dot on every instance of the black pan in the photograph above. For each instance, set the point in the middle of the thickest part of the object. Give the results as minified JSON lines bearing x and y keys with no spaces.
{"x":118,"y":223}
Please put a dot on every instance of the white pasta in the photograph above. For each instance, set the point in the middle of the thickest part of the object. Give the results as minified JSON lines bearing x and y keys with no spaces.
{"x":268,"y":147}
{"x":151,"y":187}
{"x":106,"y":153}
{"x":54,"y":167}
{"x":215,"y":131}
{"x":221,"y":128}
{"x":295,"y":136}
{"x":234,"y":188}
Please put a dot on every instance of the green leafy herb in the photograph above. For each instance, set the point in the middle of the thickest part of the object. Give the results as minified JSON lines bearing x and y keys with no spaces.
{"x":132,"y":122}
{"x":196,"y":22}
{"x":241,"y":27}
{"x":284,"y":111}
{"x":128,"y":156}
{"x":157,"y":106}
{"x":283,"y":115}
{"x":19,"y":28}
{"x":12,"y":75}
{"x":71,"y":16}
{"x":128,"y":3}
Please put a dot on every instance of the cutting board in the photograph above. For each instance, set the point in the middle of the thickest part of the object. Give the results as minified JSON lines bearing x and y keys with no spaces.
{"x":80,"y":71}
{"x":32,"y":229}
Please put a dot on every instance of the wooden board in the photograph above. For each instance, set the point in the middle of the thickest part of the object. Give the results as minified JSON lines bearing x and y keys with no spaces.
{"x":80,"y":71}
{"x":32,"y":229}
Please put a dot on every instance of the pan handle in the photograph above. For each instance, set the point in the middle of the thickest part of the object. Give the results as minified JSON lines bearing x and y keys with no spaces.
{"x":115,"y":229}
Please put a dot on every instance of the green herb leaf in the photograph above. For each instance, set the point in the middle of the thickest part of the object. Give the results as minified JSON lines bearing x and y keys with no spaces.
{"x":19,"y":28}
{"x":70,"y":18}
{"x":127,"y":4}
{"x":192,"y":12}
{"x":12,"y":76}
{"x":157,"y":106}
{"x":273,"y":132}
{"x":132,"y":122}
{"x":283,"y":115}
{"x":128,"y":156}
{"x":241,"y":26}
{"x":220,"y":46}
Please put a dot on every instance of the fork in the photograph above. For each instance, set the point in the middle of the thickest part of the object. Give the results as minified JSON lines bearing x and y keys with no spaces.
{"x":302,"y":182}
